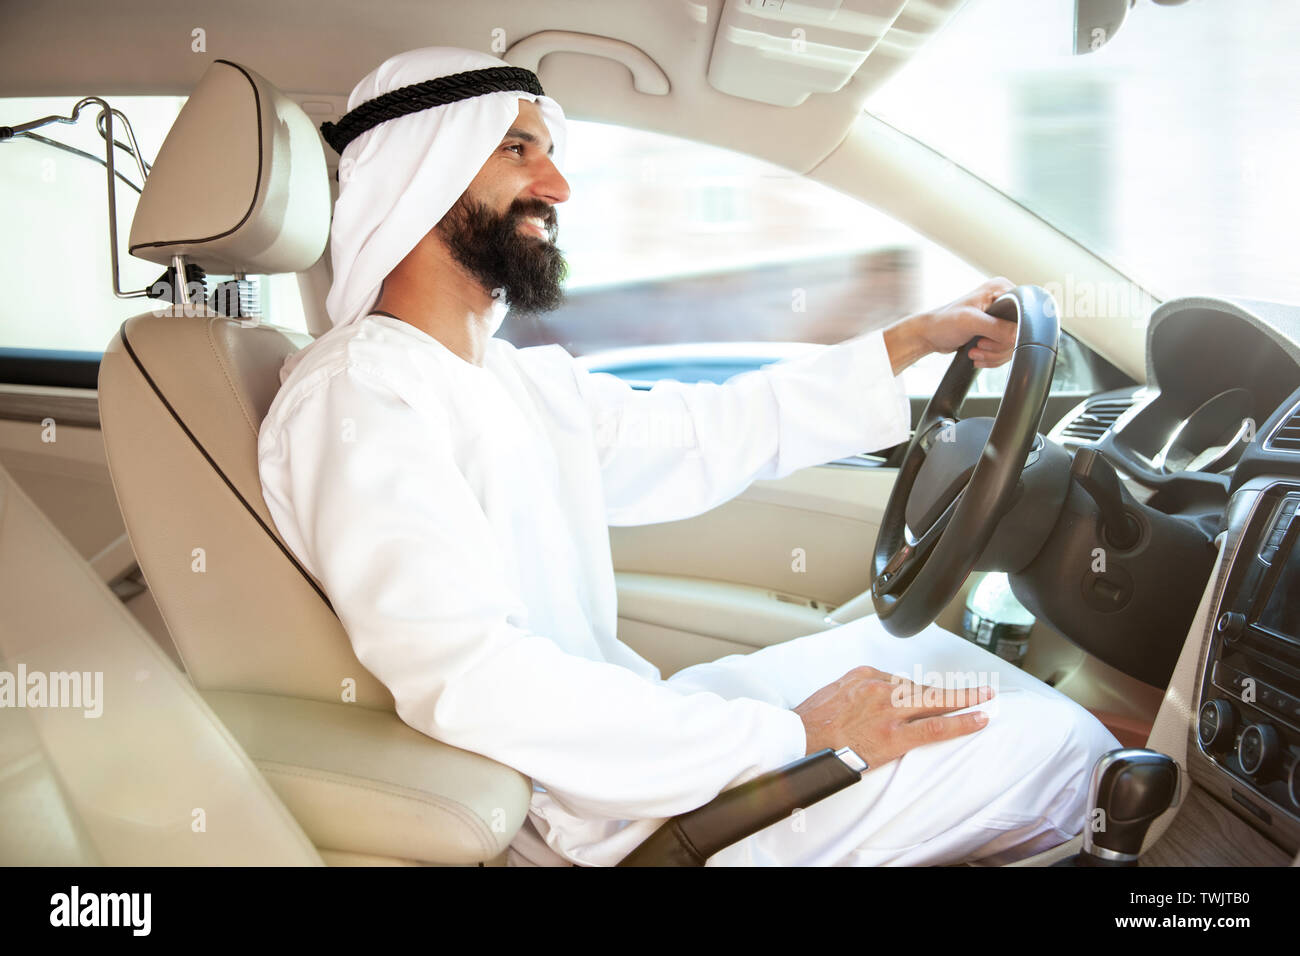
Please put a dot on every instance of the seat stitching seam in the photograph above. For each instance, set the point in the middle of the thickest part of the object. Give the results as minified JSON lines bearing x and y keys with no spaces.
{"x":467,"y":816}
{"x":229,"y":382}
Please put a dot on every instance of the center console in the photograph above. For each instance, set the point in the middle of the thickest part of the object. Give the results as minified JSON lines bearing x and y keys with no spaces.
{"x":1245,"y":745}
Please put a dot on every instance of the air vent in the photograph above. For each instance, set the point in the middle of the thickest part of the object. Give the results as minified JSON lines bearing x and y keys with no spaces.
{"x":1286,"y":437}
{"x":1096,"y":418}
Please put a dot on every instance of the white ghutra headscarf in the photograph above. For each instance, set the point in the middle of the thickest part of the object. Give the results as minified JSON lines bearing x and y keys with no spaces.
{"x":403,"y":163}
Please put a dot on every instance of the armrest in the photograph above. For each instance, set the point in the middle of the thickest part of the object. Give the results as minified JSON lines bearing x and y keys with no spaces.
{"x":689,"y":839}
{"x":362,"y":781}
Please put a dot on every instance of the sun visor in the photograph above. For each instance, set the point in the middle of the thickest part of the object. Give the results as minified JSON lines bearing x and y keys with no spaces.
{"x":780,"y":51}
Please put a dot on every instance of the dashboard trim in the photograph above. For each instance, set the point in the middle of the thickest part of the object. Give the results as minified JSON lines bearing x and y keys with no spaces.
{"x":1283,"y":826}
{"x":1272,"y":432}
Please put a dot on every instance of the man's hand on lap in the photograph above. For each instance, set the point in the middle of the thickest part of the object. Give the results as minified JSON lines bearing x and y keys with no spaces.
{"x":882,"y":716}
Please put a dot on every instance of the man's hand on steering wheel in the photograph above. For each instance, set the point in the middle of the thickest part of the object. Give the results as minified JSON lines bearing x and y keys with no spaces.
{"x":959,"y":477}
{"x":949,"y":328}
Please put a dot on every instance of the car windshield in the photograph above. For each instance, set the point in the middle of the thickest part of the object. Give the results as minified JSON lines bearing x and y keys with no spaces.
{"x":1169,"y":151}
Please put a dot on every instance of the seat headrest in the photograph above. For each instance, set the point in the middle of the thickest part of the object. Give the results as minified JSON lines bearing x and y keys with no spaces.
{"x":239,"y":184}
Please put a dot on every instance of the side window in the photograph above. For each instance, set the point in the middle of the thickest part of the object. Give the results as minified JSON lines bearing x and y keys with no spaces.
{"x":691,"y":262}
{"x":54,"y":253}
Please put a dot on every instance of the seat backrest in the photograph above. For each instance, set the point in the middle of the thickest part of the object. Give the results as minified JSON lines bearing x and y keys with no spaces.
{"x":239,"y":186}
{"x":118,"y":760}
{"x":181,"y":401}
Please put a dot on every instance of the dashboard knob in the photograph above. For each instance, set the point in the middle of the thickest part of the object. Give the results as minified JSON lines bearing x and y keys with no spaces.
{"x":1258,"y":749}
{"x":1216,"y":724}
{"x":1230,"y":625}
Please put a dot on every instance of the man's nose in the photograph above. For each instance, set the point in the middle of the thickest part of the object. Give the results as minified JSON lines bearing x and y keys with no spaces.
{"x":549,"y":184}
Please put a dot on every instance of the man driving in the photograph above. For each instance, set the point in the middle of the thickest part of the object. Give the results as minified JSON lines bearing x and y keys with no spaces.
{"x":453,"y":494}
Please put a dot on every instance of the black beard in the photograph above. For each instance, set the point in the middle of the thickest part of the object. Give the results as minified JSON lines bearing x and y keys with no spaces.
{"x":528,"y":270}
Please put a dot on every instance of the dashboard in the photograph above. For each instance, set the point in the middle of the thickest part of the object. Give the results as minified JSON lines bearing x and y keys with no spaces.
{"x":1217,"y":371}
{"x":1214,"y":437}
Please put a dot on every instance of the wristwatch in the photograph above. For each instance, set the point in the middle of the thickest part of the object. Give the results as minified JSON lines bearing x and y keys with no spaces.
{"x":851,"y":760}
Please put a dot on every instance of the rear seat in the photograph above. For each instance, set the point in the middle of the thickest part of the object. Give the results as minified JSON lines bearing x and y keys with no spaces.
{"x":155,"y":779}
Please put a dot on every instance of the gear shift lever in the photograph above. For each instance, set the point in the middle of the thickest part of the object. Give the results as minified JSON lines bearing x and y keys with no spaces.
{"x":1129,"y":789}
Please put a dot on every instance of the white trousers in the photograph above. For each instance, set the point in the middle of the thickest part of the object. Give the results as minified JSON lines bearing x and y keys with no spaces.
{"x":1012,"y":789}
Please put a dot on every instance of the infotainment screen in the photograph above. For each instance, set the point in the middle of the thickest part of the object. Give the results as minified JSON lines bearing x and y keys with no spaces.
{"x":1281,"y":613}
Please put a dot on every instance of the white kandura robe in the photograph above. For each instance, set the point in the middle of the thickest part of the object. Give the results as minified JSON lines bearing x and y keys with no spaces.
{"x":457,"y":517}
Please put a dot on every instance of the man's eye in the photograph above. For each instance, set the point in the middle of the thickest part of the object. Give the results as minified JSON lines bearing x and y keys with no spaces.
{"x":518,"y":146}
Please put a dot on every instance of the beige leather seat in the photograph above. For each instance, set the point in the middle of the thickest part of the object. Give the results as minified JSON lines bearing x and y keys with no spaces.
{"x":240,"y":186}
{"x":133,"y":768}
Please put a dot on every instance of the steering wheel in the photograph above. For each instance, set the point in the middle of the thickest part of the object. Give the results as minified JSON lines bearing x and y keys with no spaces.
{"x":959,"y":477}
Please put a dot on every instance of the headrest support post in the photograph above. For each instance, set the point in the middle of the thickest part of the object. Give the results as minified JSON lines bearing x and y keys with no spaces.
{"x":183,"y":296}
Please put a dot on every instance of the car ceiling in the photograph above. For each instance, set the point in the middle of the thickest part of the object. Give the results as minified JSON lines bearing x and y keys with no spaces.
{"x":323,"y":47}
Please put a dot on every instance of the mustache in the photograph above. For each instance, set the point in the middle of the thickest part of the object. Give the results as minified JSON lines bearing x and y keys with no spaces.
{"x":542,"y":210}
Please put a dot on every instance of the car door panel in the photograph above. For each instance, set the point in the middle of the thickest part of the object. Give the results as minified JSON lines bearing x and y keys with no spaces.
{"x":63,"y":467}
{"x":809,"y":534}
{"x":765,"y":567}
{"x":679,"y":621}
